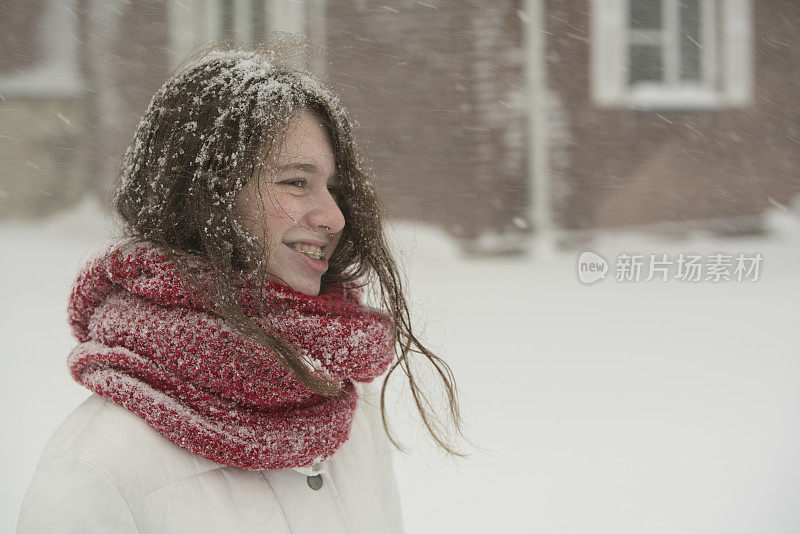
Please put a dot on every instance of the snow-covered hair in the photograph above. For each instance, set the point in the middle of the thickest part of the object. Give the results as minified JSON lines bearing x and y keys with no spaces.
{"x":200,"y":141}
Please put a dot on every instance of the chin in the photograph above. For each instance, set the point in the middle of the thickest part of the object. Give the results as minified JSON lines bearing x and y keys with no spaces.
{"x":307,"y":287}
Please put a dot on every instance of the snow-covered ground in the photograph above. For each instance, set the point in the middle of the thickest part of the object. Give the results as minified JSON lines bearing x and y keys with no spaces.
{"x":642,"y":407}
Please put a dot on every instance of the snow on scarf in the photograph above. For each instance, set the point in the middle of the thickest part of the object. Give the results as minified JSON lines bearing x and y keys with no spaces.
{"x":149,"y":344}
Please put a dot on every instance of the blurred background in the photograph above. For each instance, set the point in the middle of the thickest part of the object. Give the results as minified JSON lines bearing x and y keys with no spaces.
{"x":508,"y":137}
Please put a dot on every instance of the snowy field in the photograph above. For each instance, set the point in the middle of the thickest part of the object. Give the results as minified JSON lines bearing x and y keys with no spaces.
{"x":649,"y":407}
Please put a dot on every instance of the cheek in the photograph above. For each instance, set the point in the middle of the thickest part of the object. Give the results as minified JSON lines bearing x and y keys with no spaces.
{"x":281,"y":214}
{"x":279,"y":205}
{"x":272,"y":211}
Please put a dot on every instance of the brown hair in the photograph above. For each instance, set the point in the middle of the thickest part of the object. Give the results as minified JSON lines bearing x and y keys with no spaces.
{"x":197,"y":145}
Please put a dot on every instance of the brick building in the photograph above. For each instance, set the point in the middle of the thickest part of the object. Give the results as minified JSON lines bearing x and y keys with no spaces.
{"x":486,"y":118}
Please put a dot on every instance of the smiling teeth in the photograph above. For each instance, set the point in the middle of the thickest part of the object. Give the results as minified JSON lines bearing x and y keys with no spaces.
{"x":308,"y":250}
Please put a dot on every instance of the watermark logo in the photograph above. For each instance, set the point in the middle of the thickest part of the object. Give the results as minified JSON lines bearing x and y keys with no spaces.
{"x":591,"y":267}
{"x":682,"y":267}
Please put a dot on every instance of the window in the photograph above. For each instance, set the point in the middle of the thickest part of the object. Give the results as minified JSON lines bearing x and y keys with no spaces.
{"x":195,"y":23}
{"x":57,"y":71}
{"x":662,"y":54}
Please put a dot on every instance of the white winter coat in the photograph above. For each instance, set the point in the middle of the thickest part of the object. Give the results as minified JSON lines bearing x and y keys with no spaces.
{"x":106,"y":470}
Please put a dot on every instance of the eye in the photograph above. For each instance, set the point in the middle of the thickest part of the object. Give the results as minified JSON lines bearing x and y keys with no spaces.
{"x":297,"y":182}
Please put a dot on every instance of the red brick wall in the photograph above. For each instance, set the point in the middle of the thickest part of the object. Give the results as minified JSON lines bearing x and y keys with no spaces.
{"x":123,"y":60}
{"x":440,"y":97}
{"x":438,"y":94}
{"x":622,"y":167}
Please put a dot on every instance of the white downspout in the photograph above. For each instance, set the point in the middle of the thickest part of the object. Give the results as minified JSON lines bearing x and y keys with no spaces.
{"x":538,"y":168}
{"x":316,"y":25}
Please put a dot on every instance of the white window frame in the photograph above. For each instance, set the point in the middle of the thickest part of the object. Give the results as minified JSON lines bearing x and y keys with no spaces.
{"x":726,"y":58}
{"x":197,"y":23}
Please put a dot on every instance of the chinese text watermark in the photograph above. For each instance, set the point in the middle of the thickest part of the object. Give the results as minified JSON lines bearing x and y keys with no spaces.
{"x":681,"y":267}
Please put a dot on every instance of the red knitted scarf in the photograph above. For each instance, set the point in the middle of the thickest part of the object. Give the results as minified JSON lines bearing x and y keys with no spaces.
{"x":148,"y":343}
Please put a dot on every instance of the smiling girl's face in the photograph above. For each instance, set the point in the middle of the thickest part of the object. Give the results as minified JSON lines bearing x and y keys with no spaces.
{"x":293,"y":204}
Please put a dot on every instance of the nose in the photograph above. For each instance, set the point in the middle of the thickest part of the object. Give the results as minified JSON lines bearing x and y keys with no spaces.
{"x":326,"y":215}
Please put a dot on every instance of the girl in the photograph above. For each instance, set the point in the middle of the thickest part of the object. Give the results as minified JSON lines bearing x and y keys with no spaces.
{"x":225,"y":338}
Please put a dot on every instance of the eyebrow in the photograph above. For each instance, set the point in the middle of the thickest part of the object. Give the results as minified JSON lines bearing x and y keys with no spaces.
{"x":307,"y":167}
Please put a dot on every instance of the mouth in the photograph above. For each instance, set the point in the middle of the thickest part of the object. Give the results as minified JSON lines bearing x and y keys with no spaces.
{"x":312,"y":251}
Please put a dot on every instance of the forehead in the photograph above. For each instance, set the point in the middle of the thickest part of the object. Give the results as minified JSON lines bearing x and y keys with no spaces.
{"x":305,"y":146}
{"x":305,"y":138}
